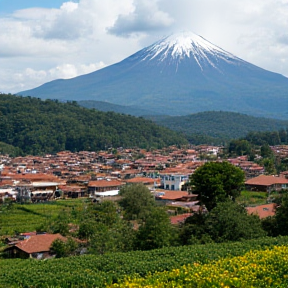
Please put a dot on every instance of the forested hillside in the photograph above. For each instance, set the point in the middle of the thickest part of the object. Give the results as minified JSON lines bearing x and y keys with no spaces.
{"x":218,"y":126}
{"x":106,"y":107}
{"x":35,"y":126}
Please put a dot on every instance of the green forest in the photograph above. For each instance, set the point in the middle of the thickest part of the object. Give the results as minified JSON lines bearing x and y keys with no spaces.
{"x":34,"y":126}
{"x":217,"y":127}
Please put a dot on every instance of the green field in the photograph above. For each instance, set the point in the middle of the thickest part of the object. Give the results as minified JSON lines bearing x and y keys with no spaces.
{"x":249,"y":198}
{"x":27,"y":217}
{"x":98,"y":271}
{"x":267,"y":268}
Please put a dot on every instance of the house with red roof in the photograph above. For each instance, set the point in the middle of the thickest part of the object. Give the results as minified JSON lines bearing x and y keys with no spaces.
{"x":104,"y":187}
{"x":266,"y":183}
{"x":263,"y":211}
{"x":178,"y":219}
{"x":35,"y":246}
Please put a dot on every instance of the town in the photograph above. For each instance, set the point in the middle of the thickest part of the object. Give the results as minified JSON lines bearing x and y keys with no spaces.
{"x":100,"y":175}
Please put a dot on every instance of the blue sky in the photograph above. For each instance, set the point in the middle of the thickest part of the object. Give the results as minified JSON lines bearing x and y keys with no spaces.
{"x":77,"y":37}
{"x":8,"y":6}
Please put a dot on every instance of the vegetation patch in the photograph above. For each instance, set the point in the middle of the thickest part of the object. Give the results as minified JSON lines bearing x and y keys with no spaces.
{"x":97,"y":271}
{"x":268,"y":268}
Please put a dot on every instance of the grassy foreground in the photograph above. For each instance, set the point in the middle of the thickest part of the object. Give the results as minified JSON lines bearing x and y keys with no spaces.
{"x":268,"y":268}
{"x":100,"y":271}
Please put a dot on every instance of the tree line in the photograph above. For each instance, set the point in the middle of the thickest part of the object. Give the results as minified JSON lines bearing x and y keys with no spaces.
{"x":218,"y":127}
{"x":35,"y":126}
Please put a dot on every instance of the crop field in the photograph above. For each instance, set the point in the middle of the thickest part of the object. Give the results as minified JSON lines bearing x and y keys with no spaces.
{"x":27,"y":217}
{"x":267,"y":268}
{"x":111,"y":269}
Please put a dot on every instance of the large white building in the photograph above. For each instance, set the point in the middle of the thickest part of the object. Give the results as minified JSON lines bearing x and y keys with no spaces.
{"x":174,"y":181}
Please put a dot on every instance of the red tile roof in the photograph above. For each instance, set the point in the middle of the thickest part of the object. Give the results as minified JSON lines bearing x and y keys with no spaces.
{"x":262,"y":211}
{"x":105,"y":183}
{"x":266,"y":180}
{"x":172,"y":195}
{"x":179,"y":218}
{"x":39,"y":243}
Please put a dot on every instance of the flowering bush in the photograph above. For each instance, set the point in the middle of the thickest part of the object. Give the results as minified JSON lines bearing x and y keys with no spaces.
{"x":268,"y":268}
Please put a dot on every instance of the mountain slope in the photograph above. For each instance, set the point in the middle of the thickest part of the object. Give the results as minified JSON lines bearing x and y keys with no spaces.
{"x":179,"y":75}
{"x":106,"y":107}
{"x":219,"y":124}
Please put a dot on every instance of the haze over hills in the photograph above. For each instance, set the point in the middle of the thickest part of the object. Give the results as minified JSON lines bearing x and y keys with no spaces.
{"x":179,"y":75}
{"x":219,"y":124}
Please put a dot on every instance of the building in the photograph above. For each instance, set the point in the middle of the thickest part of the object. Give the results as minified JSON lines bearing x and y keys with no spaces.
{"x":35,"y":246}
{"x":263,"y":211}
{"x":104,"y":187}
{"x":174,"y":181}
{"x":266,"y":183}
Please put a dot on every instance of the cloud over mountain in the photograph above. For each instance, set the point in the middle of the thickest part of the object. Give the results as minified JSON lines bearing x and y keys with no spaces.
{"x":145,"y":17}
{"x":86,"y":33}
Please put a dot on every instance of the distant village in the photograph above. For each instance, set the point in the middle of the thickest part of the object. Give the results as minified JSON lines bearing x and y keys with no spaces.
{"x":101,"y":174}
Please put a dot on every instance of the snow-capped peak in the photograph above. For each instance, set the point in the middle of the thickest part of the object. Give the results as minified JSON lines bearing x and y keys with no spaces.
{"x":187,"y":44}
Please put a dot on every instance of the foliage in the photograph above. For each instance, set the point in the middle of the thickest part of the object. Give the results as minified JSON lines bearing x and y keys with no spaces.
{"x":62,"y":248}
{"x":218,"y":127}
{"x":7,"y":149}
{"x":87,"y":229}
{"x":102,"y":225}
{"x":95,"y":271}
{"x":240,"y":147}
{"x":193,"y":231}
{"x":156,"y":232}
{"x":250,"y":198}
{"x":267,"y":138}
{"x":227,"y":221}
{"x":268,"y":268}
{"x":136,"y":201}
{"x":60,"y":224}
{"x":281,"y":216}
{"x":106,"y":107}
{"x":217,"y":181}
{"x":118,"y":238}
{"x":36,"y":127}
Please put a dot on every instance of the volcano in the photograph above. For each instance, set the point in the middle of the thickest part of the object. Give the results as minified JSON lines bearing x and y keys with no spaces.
{"x":178,"y":75}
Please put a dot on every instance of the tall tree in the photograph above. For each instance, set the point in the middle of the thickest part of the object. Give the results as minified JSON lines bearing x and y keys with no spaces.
{"x":136,"y":201}
{"x":156,"y":232}
{"x":216,"y":182}
{"x":281,"y":216}
{"x":229,"y":221}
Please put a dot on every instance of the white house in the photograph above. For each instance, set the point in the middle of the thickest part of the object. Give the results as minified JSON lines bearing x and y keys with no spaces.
{"x":174,"y":181}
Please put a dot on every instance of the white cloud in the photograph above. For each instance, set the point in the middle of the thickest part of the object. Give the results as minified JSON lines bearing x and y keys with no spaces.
{"x":31,"y":78}
{"x":146,"y":16}
{"x":39,"y":45}
{"x":66,"y":71}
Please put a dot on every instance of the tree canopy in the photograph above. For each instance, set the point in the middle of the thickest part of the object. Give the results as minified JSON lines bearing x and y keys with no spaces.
{"x":216,"y":182}
{"x":136,"y":201}
{"x":228,"y":221}
{"x":156,"y":232}
{"x":216,"y":127}
{"x":38,"y":126}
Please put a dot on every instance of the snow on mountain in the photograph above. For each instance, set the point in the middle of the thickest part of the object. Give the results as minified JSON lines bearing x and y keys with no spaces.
{"x":187,"y":44}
